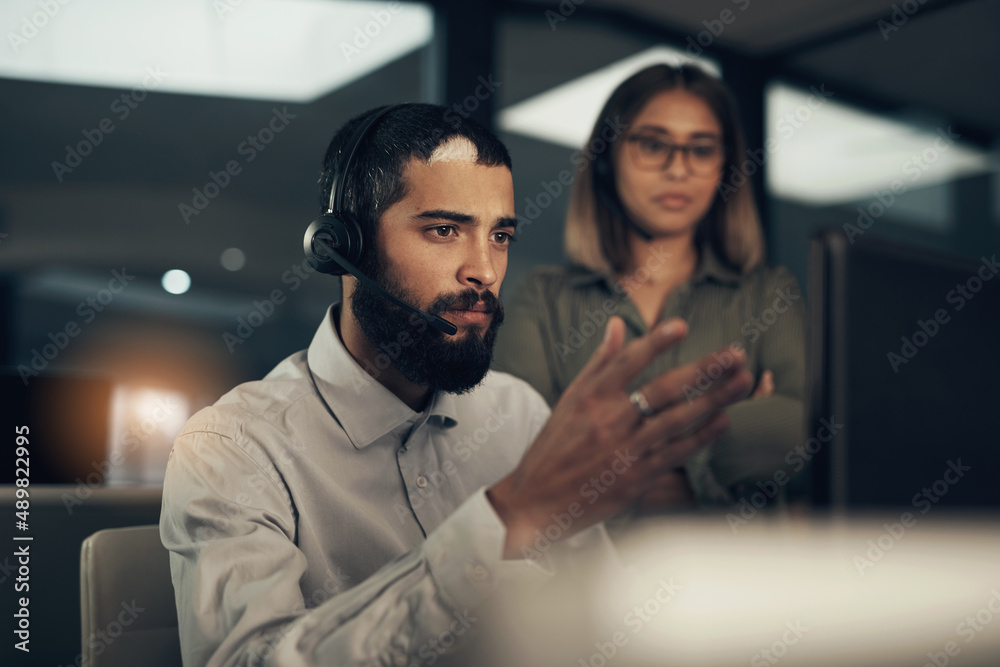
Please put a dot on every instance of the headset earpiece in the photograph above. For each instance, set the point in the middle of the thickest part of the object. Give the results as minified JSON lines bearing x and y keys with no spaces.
{"x":330,"y":236}
{"x":336,"y":234}
{"x":333,"y":241}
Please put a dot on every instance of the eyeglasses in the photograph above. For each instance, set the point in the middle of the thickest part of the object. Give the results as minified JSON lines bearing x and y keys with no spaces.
{"x":650,"y":153}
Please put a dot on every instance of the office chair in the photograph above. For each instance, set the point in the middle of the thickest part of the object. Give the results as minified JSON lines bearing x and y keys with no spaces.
{"x":127,"y":600}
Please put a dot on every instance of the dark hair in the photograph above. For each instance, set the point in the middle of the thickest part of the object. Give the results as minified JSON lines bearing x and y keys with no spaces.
{"x":597,"y":234}
{"x":414,"y":130}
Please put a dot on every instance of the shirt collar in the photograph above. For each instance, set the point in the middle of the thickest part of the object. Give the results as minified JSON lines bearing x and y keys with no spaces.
{"x":365,"y":409}
{"x":711,"y":267}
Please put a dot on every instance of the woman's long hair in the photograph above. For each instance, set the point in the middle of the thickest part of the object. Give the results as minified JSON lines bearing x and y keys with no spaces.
{"x":596,"y":234}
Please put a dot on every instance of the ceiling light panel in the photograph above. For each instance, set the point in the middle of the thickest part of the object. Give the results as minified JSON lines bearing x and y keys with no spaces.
{"x":287,"y":50}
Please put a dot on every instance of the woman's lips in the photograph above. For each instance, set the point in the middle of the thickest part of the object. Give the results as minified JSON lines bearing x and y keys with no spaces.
{"x":673,"y":202}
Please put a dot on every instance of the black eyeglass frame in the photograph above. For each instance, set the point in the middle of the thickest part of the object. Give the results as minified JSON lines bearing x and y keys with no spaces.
{"x":672,"y":149}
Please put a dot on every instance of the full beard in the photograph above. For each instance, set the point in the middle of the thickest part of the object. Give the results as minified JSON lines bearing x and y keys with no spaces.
{"x":421,"y":353}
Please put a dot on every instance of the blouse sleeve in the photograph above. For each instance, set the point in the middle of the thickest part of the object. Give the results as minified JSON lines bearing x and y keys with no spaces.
{"x":524,"y":345}
{"x":764,"y":431}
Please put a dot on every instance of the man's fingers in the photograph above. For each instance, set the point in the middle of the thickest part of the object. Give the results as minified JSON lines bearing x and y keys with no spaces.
{"x":614,"y":336}
{"x":666,"y":455}
{"x":619,"y":371}
{"x":679,"y":418}
{"x":694,"y":379}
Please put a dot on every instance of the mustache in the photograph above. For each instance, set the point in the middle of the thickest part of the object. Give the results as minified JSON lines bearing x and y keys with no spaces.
{"x":465,"y":300}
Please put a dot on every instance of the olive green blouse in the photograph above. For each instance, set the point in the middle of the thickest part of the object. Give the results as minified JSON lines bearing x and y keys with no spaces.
{"x":555,"y":321}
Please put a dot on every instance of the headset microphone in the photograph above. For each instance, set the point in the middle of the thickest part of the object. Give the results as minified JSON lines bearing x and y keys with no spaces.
{"x":333,"y":241}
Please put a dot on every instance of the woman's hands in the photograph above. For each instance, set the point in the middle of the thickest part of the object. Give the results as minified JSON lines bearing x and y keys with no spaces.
{"x":765,"y":387}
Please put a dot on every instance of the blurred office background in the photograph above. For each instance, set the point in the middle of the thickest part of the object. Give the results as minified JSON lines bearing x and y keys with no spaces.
{"x":178,"y":144}
{"x":159,"y":160}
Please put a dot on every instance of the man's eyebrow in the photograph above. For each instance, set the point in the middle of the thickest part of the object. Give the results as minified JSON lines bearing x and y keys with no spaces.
{"x":440,"y":214}
{"x":465,"y":218}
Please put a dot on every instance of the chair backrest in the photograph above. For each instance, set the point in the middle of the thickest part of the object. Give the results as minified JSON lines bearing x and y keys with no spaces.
{"x":127,"y":600}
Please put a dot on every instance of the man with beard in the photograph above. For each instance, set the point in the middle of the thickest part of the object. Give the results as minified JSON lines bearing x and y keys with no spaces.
{"x":428,"y":359}
{"x":360,"y":502}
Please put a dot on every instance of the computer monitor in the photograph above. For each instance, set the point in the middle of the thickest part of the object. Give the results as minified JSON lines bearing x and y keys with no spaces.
{"x":903,"y":353}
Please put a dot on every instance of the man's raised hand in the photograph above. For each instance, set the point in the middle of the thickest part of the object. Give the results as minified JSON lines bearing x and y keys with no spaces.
{"x":597,"y":453}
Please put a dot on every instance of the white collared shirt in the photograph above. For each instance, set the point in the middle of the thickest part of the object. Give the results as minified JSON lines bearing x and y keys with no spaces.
{"x":313,"y":518}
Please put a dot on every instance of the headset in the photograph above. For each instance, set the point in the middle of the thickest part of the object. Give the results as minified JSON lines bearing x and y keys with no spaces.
{"x":333,"y":241}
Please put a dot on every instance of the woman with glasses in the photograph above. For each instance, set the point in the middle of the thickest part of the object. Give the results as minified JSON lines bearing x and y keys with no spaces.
{"x":662,"y":223}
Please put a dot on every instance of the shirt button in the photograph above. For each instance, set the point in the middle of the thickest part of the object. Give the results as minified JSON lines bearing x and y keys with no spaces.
{"x":476,"y":571}
{"x":421,"y":481}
